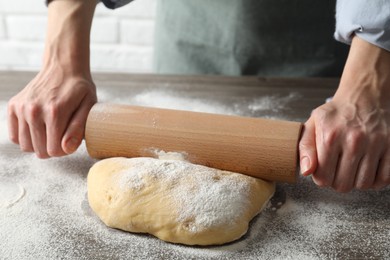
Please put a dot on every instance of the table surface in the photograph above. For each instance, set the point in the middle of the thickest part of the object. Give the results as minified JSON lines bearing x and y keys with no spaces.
{"x":302,"y":221}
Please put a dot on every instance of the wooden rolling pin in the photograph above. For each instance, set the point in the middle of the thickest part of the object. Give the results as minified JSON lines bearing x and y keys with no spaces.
{"x":257,"y":147}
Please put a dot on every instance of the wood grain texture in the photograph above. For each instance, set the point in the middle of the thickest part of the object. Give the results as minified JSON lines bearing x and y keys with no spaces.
{"x":257,"y":147}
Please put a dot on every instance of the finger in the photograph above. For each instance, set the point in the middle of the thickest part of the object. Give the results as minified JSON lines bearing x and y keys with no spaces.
{"x":24,"y":136}
{"x":37,"y":129}
{"x":38,"y":138}
{"x":75,"y":131}
{"x":328,"y":154}
{"x":12,"y":125}
{"x":346,"y":172}
{"x":326,"y":171}
{"x":307,"y":149}
{"x":354,"y":147}
{"x":55,"y":127}
{"x":367,"y":172}
{"x":382,"y":178}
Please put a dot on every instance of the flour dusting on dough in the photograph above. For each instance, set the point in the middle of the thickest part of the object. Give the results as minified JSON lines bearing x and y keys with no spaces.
{"x":179,"y":202}
{"x":179,"y":156}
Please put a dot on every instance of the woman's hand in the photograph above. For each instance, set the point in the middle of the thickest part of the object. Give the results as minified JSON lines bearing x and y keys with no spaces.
{"x":346,"y":142}
{"x":48,"y":116}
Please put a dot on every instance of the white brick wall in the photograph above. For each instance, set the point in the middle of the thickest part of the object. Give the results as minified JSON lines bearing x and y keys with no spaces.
{"x":121,"y":39}
{"x":2,"y":28}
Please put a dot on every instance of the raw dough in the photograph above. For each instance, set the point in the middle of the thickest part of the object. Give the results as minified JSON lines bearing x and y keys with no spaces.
{"x":175,"y":201}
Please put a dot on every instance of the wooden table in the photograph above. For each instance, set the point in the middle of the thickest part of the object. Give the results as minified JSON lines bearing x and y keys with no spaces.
{"x":361,"y":221}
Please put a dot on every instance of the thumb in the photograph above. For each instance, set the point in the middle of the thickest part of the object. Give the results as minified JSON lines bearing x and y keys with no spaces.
{"x":75,"y":131}
{"x":307,"y":149}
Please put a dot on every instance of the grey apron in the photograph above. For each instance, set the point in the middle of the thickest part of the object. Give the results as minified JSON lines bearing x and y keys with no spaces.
{"x":248,"y":37}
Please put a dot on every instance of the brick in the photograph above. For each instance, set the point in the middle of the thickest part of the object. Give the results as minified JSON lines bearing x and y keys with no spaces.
{"x":116,"y":58}
{"x":121,"y":40}
{"x":135,"y":9}
{"x":137,"y":32}
{"x":26,"y":27}
{"x":24,"y":6}
{"x":21,"y":55}
{"x":3,"y":34}
{"x":105,"y":30}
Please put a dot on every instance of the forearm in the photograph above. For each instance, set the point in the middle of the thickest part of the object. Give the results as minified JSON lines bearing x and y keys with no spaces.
{"x":366,"y":77}
{"x":68,"y":35}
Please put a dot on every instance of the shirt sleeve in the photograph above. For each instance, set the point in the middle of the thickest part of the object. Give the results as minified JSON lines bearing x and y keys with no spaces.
{"x":112,"y":4}
{"x":368,"y":19}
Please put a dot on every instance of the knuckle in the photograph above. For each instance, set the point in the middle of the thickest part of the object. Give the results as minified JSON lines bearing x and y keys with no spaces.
{"x":342,"y":188}
{"x":318,"y":113}
{"x":321,"y":184}
{"x":77,"y":126}
{"x":53,"y":109}
{"x":33,"y":111}
{"x":355,"y":140}
{"x":378,"y":140}
{"x":55,"y":152}
{"x":11,"y":107}
{"x":355,"y":136}
{"x":17,"y":108}
{"x":321,"y":181}
{"x":362,"y":182}
{"x":304,"y":145}
{"x":378,"y":187}
{"x":386,"y":178}
{"x":26,"y":148}
{"x":329,"y":138}
{"x":362,"y":186}
{"x":14,"y":138}
{"x":383,"y":179}
{"x":42,"y":155}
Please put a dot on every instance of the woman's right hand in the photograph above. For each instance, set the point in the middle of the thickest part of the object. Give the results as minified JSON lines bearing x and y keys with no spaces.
{"x":48,"y":116}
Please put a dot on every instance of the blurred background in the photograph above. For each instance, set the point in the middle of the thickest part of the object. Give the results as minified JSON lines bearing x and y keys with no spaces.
{"x":121,"y":39}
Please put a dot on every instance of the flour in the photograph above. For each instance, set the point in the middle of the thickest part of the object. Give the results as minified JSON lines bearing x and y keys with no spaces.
{"x":53,"y":220}
{"x":205,"y":198}
{"x":169,"y":100}
{"x":10,"y":193}
{"x":3,"y":121}
{"x":271,"y":106}
{"x":272,"y":103}
{"x":180,"y":156}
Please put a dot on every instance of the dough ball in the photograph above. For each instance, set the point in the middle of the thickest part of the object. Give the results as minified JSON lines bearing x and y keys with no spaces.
{"x":176,"y":201}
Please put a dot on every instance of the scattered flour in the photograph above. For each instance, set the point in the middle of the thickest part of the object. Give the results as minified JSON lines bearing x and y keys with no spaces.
{"x":268,"y":106}
{"x":272,"y":103}
{"x":3,"y":121}
{"x":10,"y":193}
{"x":168,"y":100}
{"x":53,"y":220}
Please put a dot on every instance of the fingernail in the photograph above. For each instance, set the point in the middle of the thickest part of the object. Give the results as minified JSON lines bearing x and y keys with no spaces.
{"x":305,"y":164}
{"x":72,"y":144}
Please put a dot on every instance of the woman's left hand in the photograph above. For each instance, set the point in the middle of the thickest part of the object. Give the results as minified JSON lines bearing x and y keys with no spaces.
{"x":346,"y":142}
